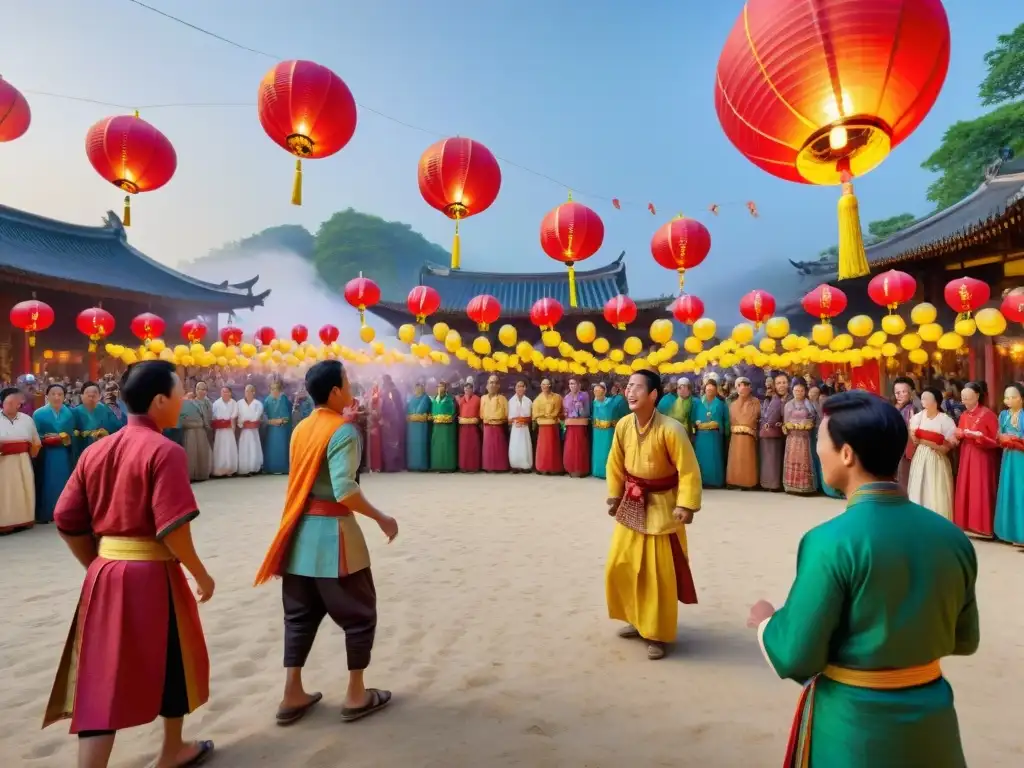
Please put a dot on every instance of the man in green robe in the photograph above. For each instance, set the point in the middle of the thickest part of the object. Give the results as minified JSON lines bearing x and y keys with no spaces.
{"x":882,"y":592}
{"x":444,"y":454}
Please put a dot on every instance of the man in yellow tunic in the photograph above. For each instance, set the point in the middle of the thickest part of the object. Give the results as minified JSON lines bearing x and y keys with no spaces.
{"x":654,"y":489}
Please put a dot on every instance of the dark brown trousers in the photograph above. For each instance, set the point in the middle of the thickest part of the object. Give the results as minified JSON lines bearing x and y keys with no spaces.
{"x":350,"y":601}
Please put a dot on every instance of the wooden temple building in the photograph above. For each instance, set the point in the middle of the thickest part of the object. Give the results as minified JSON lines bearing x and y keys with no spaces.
{"x":73,"y":267}
{"x":517,"y":292}
{"x":982,"y":236}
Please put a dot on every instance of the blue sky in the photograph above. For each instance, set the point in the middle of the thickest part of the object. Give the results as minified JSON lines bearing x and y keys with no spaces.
{"x":613,"y":101}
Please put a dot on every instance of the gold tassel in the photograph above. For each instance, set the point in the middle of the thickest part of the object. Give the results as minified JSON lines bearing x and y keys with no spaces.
{"x":456,"y":248}
{"x":127,"y":218}
{"x":572,"y":285}
{"x":297,"y":184}
{"x":853,"y":262}
{"x":31,"y":339}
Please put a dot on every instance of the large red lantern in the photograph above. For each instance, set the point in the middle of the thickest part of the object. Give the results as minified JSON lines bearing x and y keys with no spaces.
{"x":824,"y":302}
{"x":362,"y":293}
{"x":483,"y":310}
{"x":132,"y":155}
{"x":299,"y":334}
{"x":460,"y":178}
{"x":30,"y":316}
{"x":232,"y":335}
{"x":264,"y":335}
{"x":965,"y":295}
{"x":681,"y":244}
{"x":892,"y":288}
{"x":1013,"y":305}
{"x":821,"y":91}
{"x":687,"y":309}
{"x":422,"y":302}
{"x":570,"y":233}
{"x":307,"y":110}
{"x":620,"y":311}
{"x":328,"y":334}
{"x":757,"y":306}
{"x":545,"y":313}
{"x":194,"y":331}
{"x":15,"y":115}
{"x":95,"y":323}
{"x":147,"y":327}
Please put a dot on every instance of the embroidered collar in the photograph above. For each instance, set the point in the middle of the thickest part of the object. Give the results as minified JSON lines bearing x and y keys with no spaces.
{"x":881,"y":491}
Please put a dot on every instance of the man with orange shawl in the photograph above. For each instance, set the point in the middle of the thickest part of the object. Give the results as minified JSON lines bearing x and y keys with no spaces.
{"x":547,"y":410}
{"x":319,"y":550}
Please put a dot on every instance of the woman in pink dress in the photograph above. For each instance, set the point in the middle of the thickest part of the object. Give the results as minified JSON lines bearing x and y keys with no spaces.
{"x":374,"y":435}
{"x":977,"y":479}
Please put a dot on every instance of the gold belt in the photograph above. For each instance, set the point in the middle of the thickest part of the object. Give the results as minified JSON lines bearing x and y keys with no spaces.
{"x":602,"y":424}
{"x":543,"y":422}
{"x":707,"y":426}
{"x":416,"y":417}
{"x":442,"y":418}
{"x":885,"y":679}
{"x":91,"y":433}
{"x":495,"y":422}
{"x":468,"y":420}
{"x":133,"y":548}
{"x":798,"y":427}
{"x":743,"y":431}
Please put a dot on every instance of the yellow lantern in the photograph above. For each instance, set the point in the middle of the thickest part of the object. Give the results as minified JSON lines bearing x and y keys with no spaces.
{"x":601,"y":346}
{"x":990,"y":321}
{"x":930,"y":332}
{"x":890,"y":350}
{"x":950,"y":341}
{"x":507,"y":335}
{"x":407,"y":333}
{"x":742,"y":333}
{"x":894,"y":325}
{"x":565,"y":349}
{"x":910,"y":342}
{"x":551,"y":338}
{"x":966,"y":326}
{"x":367,"y":334}
{"x":617,"y":355}
{"x":923,"y":314}
{"x":766,"y":345}
{"x":776,"y":327}
{"x":661,"y":331}
{"x":218,"y":348}
{"x":705,"y":329}
{"x":878,"y":338}
{"x":632,"y":346}
{"x":860,"y":326}
{"x":441,"y":331}
{"x":918,"y":356}
{"x":822,"y":334}
{"x":461,"y":353}
{"x":693,"y":345}
{"x":524,"y":349}
{"x":481,"y":345}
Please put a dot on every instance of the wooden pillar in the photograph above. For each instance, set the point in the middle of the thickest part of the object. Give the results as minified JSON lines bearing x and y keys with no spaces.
{"x":972,"y":362}
{"x":991,"y":373}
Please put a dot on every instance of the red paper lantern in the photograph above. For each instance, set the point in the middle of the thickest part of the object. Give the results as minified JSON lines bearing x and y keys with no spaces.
{"x":892,"y":288}
{"x":483,"y":310}
{"x":31,"y":316}
{"x":824,"y":302}
{"x":681,"y":244}
{"x":147,"y":327}
{"x":423,"y":301}
{"x":757,"y":306}
{"x":620,"y":311}
{"x":818,"y":92}
{"x":194,"y":331}
{"x":545,"y":313}
{"x":299,"y":334}
{"x":570,"y":233}
{"x":1013,"y":306}
{"x":264,"y":335}
{"x":307,"y":110}
{"x":15,"y":115}
{"x":95,"y":323}
{"x":460,"y":178}
{"x":328,"y":334}
{"x":362,"y":293}
{"x":688,"y":309}
{"x":965,"y":295}
{"x":232,"y":336}
{"x":132,"y":155}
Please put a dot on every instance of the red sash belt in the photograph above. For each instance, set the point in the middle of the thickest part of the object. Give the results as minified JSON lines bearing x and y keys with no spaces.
{"x":326,"y":508}
{"x":221,"y":423}
{"x":53,"y":442}
{"x":930,"y":436}
{"x":250,"y":425}
{"x":1014,"y":443}
{"x":632,"y":511}
{"x":15,"y":447}
{"x":521,"y":421}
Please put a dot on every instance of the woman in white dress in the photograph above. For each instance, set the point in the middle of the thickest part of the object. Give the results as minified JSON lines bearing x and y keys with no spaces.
{"x":931,"y":474}
{"x":225,"y":447}
{"x":19,"y":442}
{"x":520,"y":445}
{"x":250,"y":449}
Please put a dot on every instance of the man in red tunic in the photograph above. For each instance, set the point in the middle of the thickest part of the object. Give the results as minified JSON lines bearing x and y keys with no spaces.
{"x":470,"y":445}
{"x":136,"y":648}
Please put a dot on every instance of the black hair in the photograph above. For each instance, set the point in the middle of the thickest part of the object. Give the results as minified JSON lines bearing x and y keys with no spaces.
{"x":94,"y":384}
{"x":1012,"y":385}
{"x":798,"y":382}
{"x":652,"y":380}
{"x":143,"y":382}
{"x":980,"y":388}
{"x":55,"y":385}
{"x":322,"y":378}
{"x":934,"y":392}
{"x":874,"y":430}
{"x":904,"y":380}
{"x":7,"y":392}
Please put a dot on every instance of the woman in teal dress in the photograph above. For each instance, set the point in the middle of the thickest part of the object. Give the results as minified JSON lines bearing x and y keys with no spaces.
{"x":55,"y":423}
{"x":710,"y":418}
{"x":93,"y":420}
{"x":604,"y":415}
{"x":417,"y":431}
{"x":1009,"y":520}
{"x":828,"y":490}
{"x":277,"y":411}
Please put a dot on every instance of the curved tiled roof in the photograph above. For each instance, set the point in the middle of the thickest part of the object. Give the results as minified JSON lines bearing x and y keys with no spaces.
{"x":101,"y":257}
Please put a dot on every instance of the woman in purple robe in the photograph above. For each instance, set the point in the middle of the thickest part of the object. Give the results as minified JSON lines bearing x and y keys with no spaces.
{"x":392,"y":408}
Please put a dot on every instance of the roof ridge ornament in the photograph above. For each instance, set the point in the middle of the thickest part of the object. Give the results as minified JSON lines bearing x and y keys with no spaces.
{"x":113,"y":222}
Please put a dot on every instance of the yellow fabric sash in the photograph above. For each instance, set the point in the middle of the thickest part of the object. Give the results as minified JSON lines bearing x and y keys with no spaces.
{"x":308,"y":448}
{"x":801,"y":427}
{"x":707,"y":425}
{"x":604,"y":424}
{"x":417,"y":417}
{"x":442,"y":418}
{"x":546,"y":422}
{"x":468,"y":420}
{"x":743,"y":431}
{"x":495,"y":422}
{"x":885,"y":679}
{"x":92,"y":433}
{"x":139,"y":549}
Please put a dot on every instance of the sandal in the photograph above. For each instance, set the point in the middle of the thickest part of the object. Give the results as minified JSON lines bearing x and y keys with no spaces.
{"x":655,"y":651}
{"x":378,"y":700}
{"x":291,"y":715}
{"x":205,"y":750}
{"x":629,"y":631}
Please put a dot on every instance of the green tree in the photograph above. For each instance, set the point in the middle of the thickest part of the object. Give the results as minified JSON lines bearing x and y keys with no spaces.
{"x":286,"y":237}
{"x":879,"y":230}
{"x":1005,"y":79}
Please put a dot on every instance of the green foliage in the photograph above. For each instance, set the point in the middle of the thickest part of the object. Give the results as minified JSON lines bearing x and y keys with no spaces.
{"x":286,"y":237}
{"x":1005,"y":78}
{"x":879,"y":230}
{"x":969,"y":147}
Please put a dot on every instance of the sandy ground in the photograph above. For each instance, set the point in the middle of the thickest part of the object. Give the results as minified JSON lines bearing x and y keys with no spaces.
{"x":493,"y":637}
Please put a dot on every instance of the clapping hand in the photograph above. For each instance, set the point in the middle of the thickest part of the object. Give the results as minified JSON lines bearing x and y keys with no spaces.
{"x":760,"y":611}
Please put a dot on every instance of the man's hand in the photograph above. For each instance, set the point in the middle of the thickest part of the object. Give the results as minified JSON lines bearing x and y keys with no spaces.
{"x":389,"y":527}
{"x":760,"y":611}
{"x":205,"y":587}
{"x":683,"y":515}
{"x":613,"y":506}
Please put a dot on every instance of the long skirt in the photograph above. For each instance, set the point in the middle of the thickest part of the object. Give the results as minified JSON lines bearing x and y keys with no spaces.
{"x":495,"y":448}
{"x":417,"y":446}
{"x":200,"y":455}
{"x":1009,"y":523}
{"x":709,"y":446}
{"x":225,"y":452}
{"x":741,"y":468}
{"x":931,"y":481}
{"x":903,"y":473}
{"x":17,"y":493}
{"x":469,"y":448}
{"x":772,"y":451}
{"x":55,"y":463}
{"x":276,"y":445}
{"x":520,"y":448}
{"x":798,"y":469}
{"x":444,"y":455}
{"x":646,"y":577}
{"x":250,"y":452}
{"x":576,"y":454}
{"x":600,"y":449}
{"x":977,"y":483}
{"x":549,"y":450}
{"x":374,"y":458}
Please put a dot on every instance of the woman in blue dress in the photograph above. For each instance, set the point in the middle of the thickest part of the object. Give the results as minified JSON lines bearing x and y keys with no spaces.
{"x":417,"y":431}
{"x":604,"y":415}
{"x":1009,"y":519}
{"x":55,"y":423}
{"x":277,"y":414}
{"x":93,"y":420}
{"x":710,"y":418}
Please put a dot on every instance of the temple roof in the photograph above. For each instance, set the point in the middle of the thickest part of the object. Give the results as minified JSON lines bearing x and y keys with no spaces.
{"x":32,"y":245}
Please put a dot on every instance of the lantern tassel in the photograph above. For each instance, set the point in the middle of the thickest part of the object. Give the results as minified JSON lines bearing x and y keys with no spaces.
{"x":853,"y":262}
{"x":126,"y":219}
{"x":572,"y":285}
{"x":682,"y":278}
{"x":456,"y":248}
{"x":297,"y":184}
